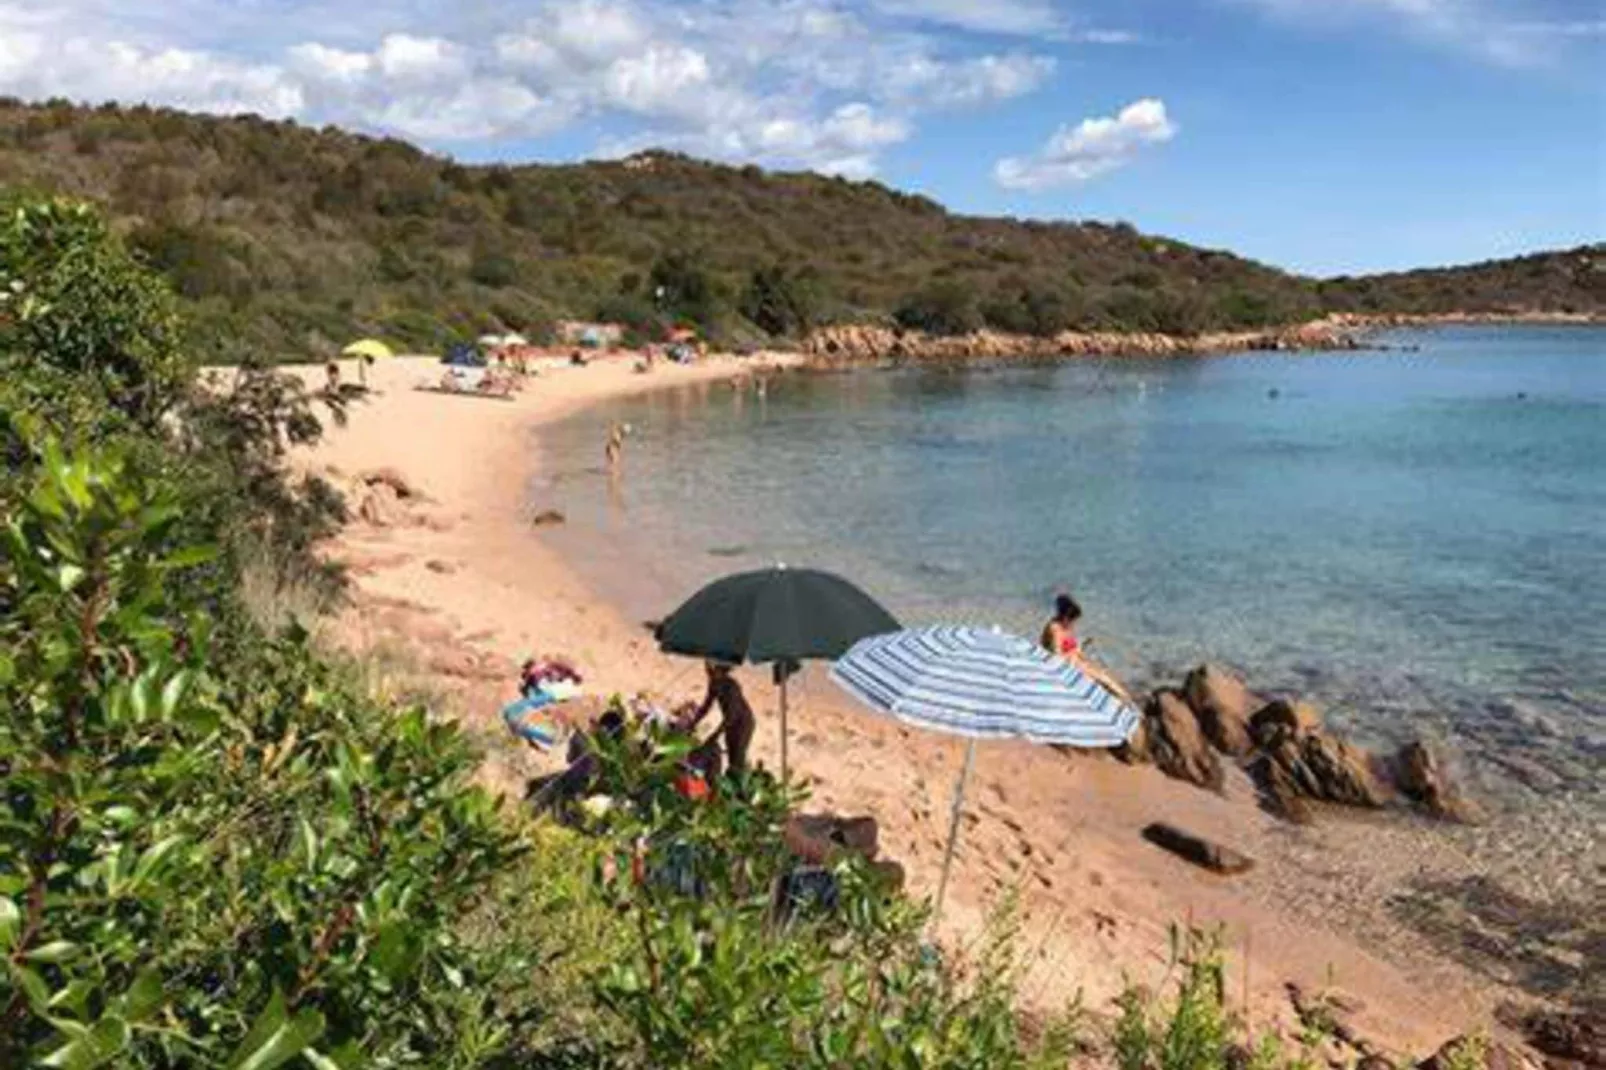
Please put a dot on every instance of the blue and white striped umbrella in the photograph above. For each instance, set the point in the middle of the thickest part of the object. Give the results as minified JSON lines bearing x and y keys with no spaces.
{"x":983,"y":683}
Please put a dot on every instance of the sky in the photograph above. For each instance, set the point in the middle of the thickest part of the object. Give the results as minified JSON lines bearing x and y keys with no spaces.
{"x":1323,"y":136}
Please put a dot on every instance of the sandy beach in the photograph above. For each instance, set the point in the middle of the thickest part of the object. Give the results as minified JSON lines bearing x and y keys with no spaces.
{"x":458,"y":584}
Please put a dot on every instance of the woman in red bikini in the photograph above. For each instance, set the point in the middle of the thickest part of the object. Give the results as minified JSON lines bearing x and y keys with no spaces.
{"x":1059,"y":634}
{"x":1059,"y":638}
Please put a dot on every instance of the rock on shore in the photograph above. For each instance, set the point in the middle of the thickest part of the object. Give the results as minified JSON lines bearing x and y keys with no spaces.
{"x":850,"y":344}
{"x":1287,"y":750}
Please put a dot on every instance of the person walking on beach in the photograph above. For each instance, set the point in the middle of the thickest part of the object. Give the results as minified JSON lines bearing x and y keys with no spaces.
{"x":736,"y":715}
{"x":615,"y":449}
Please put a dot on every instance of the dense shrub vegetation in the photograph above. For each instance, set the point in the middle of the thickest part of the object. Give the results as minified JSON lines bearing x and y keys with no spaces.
{"x":286,"y":242}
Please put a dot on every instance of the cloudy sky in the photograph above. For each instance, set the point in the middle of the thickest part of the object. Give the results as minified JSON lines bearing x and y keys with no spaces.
{"x":1323,"y":135}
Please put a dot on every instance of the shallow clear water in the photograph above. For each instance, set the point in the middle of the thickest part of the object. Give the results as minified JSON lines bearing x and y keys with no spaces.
{"x":1416,"y":540}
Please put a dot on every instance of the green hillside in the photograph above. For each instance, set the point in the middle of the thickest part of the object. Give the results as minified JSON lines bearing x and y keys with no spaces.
{"x":288,"y":241}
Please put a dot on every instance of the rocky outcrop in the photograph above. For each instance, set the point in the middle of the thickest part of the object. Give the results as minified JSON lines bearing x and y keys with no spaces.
{"x":382,"y":497}
{"x":1569,"y":1041}
{"x":1170,"y":738}
{"x":1478,"y":1051}
{"x":848,"y":344}
{"x":1328,"y":769}
{"x":1421,"y":776}
{"x":1198,"y":850}
{"x":1282,"y":717}
{"x":1222,"y":705}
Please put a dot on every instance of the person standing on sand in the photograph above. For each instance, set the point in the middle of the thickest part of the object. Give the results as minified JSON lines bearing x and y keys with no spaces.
{"x":614,"y":450}
{"x":736,"y":715}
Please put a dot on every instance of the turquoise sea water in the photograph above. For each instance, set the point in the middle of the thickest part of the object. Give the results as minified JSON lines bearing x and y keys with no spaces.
{"x":1414,"y":539}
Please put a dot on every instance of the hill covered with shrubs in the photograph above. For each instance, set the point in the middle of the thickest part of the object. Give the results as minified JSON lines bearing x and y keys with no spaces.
{"x":287,"y":241}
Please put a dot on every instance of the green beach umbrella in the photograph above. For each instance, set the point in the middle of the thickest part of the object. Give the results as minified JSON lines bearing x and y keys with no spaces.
{"x":775,"y":615}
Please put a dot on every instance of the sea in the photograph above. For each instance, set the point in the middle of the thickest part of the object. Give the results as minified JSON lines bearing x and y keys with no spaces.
{"x":1412,"y":538}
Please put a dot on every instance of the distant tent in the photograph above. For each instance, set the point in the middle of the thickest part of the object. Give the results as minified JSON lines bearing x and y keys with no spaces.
{"x":591,"y":337}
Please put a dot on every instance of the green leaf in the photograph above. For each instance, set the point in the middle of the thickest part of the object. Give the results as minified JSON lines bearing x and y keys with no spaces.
{"x":309,"y":843}
{"x":190,"y":556}
{"x":276,"y":1037}
{"x":10,"y":922}
{"x":143,"y":996}
{"x":68,"y":576}
{"x":173,"y":692}
{"x":154,"y":856}
{"x":55,"y":951}
{"x":33,"y":987}
{"x":103,"y":1042}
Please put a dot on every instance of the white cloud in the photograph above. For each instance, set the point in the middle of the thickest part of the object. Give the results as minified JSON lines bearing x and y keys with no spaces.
{"x":825,"y":84}
{"x":43,"y":53}
{"x":1489,"y":29}
{"x":1089,"y":149}
{"x":1027,"y":18}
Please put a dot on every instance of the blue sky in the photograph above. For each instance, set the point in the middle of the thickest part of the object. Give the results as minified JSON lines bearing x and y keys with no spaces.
{"x":1325,"y":136}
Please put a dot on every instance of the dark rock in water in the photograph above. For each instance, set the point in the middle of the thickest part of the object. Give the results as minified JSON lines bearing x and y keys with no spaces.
{"x":1199,"y":851}
{"x":1576,"y":1039}
{"x":1222,"y":704}
{"x":1172,"y":740}
{"x":1421,"y":776}
{"x":726,"y":551}
{"x":1281,"y":718}
{"x":548,"y":518}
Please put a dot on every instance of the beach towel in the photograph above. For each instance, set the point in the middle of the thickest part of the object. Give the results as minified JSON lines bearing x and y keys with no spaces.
{"x":523,"y":720}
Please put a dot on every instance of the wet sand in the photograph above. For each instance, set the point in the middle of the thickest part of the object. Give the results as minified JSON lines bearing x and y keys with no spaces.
{"x":449,"y":596}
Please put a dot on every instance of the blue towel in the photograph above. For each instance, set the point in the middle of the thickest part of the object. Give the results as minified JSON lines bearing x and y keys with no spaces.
{"x":517,"y":717}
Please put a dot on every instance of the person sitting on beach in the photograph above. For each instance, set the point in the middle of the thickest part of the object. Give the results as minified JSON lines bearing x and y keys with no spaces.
{"x":736,"y":724}
{"x":1059,"y":634}
{"x":1060,"y":638}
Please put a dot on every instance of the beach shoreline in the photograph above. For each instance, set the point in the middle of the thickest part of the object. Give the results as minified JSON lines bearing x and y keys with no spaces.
{"x":455,"y":586}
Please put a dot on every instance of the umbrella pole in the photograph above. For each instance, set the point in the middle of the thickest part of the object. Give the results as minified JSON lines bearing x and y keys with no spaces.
{"x":953,"y":827}
{"x":783,"y":730}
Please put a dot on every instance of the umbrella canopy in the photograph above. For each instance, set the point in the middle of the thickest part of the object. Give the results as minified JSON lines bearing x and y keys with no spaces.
{"x":774,"y":614}
{"x":983,"y":684}
{"x":372,"y":348}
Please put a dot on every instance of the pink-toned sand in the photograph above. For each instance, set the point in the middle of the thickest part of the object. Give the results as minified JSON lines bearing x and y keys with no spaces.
{"x":465,"y":585}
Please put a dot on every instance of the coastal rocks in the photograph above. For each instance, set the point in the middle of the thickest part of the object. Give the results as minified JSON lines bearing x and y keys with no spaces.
{"x":1326,"y":769}
{"x":1480,"y":1052}
{"x":849,"y":344}
{"x":1568,"y":1040}
{"x":1281,"y":718}
{"x":548,"y":518}
{"x":1172,"y":740}
{"x":1222,"y":704}
{"x":1421,"y":777}
{"x":382,"y":496}
{"x":1198,"y":850}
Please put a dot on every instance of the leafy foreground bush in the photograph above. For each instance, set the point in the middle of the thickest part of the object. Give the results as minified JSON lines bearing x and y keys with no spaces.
{"x":200,"y":870}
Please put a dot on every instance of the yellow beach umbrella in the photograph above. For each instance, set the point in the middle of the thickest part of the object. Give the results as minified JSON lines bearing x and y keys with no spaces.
{"x":365,"y":350}
{"x":372,"y":348}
